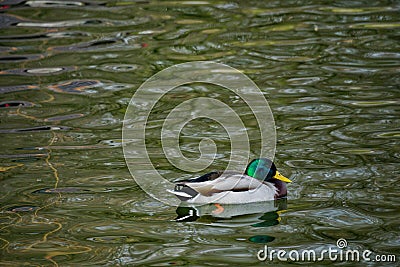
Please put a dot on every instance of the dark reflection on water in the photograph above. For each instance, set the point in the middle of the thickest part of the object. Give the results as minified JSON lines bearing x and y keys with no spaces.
{"x":330,"y":71}
{"x":263,"y":214}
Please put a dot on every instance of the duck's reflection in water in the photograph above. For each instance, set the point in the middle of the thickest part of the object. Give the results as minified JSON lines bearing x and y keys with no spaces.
{"x":261,"y":214}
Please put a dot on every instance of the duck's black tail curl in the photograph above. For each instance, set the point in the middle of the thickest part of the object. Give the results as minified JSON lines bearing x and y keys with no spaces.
{"x":184,"y":192}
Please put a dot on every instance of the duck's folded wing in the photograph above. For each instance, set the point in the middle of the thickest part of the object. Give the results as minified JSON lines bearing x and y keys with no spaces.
{"x":231,"y":182}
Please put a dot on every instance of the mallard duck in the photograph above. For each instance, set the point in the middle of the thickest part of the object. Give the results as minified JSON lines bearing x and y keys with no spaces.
{"x":260,"y":182}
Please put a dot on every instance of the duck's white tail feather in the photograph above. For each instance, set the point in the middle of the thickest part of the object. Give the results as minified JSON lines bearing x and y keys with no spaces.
{"x":179,"y":193}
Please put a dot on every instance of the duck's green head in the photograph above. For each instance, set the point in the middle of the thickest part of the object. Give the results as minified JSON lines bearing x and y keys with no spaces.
{"x":264,"y":169}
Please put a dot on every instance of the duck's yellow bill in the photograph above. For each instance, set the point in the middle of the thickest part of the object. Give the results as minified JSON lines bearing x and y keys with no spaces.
{"x":281,"y":177}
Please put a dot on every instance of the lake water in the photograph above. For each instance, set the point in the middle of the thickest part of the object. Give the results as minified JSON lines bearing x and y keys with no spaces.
{"x":330,"y":72}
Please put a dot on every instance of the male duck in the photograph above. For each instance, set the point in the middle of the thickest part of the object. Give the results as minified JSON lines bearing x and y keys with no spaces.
{"x":261,"y":182}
